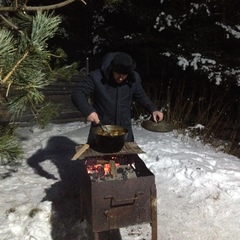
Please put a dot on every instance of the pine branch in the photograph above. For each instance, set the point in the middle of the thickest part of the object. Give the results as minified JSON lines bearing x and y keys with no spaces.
{"x":8,"y":89}
{"x":10,"y":148}
{"x":7,"y":46}
{"x":38,"y":8}
{"x":10,"y":24}
{"x":14,"y":68}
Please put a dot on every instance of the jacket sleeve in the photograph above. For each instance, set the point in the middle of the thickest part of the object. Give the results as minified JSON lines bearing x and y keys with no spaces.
{"x":80,"y":96}
{"x":141,"y":97}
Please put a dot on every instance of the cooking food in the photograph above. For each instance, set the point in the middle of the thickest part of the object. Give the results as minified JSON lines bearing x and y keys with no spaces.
{"x":112,"y":133}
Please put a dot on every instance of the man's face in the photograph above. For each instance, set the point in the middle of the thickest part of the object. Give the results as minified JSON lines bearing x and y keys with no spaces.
{"x":119,"y":78}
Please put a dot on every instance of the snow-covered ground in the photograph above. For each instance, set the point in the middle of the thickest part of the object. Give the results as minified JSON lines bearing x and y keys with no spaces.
{"x":198,"y":188}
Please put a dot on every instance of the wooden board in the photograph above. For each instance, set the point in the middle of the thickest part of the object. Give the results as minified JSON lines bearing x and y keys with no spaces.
{"x":128,"y":148}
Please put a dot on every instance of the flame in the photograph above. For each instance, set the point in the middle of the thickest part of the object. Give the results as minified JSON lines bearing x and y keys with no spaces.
{"x":107,"y":168}
{"x":98,"y":167}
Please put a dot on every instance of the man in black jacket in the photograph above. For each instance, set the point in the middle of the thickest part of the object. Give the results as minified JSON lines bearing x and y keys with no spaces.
{"x":113,"y":87}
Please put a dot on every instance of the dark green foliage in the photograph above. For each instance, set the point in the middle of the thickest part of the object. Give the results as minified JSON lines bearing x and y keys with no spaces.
{"x":25,"y":71}
{"x":10,"y":149}
{"x":28,"y":65}
{"x":158,"y":33}
{"x":45,"y":114}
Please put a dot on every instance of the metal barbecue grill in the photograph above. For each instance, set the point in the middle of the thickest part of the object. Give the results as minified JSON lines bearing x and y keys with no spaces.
{"x":122,"y":192}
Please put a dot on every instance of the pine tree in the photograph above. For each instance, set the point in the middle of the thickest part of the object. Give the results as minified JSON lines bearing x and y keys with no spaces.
{"x":25,"y":69}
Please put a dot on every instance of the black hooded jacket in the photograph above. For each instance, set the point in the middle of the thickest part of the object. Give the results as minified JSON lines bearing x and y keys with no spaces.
{"x":111,"y":101}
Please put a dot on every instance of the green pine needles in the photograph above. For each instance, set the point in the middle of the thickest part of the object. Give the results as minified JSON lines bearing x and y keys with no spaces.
{"x":27,"y":66}
{"x":10,"y":149}
{"x":25,"y":61}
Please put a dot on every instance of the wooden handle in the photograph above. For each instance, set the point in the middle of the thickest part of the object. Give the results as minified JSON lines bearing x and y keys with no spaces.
{"x":80,"y":151}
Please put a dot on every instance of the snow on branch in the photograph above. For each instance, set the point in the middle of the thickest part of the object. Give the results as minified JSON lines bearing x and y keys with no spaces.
{"x":230,"y":30}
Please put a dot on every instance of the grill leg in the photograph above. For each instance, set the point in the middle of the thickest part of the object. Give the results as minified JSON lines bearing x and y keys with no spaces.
{"x":154,"y":212}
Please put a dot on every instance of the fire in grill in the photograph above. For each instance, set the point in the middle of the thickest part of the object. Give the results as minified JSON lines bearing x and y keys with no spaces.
{"x":109,"y":168}
{"x":122,"y":193}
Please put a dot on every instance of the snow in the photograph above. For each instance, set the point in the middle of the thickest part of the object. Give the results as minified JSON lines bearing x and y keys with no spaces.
{"x":198,"y":188}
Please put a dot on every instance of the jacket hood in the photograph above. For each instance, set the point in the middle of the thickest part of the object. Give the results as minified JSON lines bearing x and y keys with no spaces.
{"x":107,"y":66}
